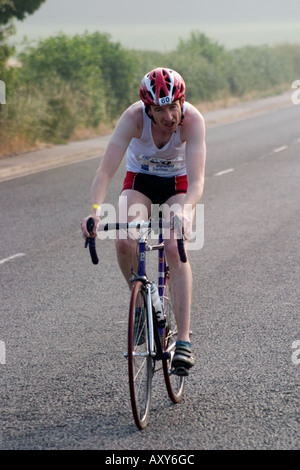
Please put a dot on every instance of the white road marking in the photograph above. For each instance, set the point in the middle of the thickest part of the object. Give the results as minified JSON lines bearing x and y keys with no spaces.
{"x":280,"y":149}
{"x":17,"y":255}
{"x":2,"y":353}
{"x":220,"y":173}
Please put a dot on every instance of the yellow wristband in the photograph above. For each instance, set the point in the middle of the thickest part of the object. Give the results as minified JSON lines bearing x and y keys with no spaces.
{"x":95,"y":206}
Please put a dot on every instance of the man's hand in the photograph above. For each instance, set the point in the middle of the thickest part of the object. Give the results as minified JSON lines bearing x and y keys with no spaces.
{"x":83,"y":224}
{"x":183,"y":222}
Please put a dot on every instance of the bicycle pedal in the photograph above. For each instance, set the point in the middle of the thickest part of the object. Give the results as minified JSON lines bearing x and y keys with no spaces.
{"x":180,"y":371}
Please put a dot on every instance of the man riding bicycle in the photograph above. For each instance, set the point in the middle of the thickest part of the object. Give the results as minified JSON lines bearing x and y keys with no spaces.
{"x":163,"y":137}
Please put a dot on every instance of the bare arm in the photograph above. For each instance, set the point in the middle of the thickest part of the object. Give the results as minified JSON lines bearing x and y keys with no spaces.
{"x":128,"y":126}
{"x":195,"y":156}
{"x":194,"y":135}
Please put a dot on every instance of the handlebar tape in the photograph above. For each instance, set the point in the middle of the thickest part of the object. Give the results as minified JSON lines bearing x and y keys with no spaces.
{"x":181,"y":250}
{"x":92,"y":241}
{"x":180,"y":240}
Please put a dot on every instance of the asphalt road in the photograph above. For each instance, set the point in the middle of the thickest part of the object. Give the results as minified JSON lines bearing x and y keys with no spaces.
{"x":63,"y":320}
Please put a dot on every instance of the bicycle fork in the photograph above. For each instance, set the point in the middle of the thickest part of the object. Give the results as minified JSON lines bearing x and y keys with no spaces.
{"x":150,"y":321}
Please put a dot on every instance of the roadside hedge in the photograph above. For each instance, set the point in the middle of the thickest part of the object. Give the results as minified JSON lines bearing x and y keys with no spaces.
{"x":85,"y":81}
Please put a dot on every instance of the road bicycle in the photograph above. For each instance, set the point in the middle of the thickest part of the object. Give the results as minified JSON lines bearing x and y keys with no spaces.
{"x":151,"y":341}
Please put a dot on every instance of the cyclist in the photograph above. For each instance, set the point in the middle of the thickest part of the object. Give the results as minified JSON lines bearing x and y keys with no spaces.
{"x":163,"y":137}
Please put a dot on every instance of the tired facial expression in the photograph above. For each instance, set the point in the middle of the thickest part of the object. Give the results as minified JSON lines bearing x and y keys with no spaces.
{"x":167,"y":117}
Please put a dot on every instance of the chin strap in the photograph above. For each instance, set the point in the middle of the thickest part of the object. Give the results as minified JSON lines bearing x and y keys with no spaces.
{"x":182,"y":118}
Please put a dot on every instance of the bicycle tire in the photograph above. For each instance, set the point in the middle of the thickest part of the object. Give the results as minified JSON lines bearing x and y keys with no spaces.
{"x":140,"y":362}
{"x":174,"y":383}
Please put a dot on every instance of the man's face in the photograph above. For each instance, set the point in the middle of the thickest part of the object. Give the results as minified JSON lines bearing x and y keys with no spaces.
{"x":167,"y":117}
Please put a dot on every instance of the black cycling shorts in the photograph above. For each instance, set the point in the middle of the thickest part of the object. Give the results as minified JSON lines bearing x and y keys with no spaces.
{"x":157,"y":188}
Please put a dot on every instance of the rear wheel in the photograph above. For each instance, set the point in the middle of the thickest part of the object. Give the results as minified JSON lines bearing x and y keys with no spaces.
{"x":174,"y":383}
{"x":140,"y":363}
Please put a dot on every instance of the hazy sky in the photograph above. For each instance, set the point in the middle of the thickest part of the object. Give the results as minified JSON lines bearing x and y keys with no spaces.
{"x":158,"y":24}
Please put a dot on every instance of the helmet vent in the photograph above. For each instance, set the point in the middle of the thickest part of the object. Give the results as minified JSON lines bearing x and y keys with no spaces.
{"x":162,"y":93}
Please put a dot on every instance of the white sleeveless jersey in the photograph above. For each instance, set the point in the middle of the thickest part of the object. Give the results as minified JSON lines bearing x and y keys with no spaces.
{"x":144,"y":157}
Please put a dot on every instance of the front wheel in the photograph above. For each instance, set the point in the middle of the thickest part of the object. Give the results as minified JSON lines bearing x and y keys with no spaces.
{"x":174,"y":383}
{"x":140,"y":362}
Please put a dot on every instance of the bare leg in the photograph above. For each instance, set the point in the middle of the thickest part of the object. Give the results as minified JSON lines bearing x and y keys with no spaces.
{"x":181,"y":280}
{"x":181,"y":291}
{"x":132,"y":205}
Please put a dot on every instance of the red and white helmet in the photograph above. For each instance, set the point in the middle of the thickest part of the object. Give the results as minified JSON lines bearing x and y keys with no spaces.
{"x":162,"y":86}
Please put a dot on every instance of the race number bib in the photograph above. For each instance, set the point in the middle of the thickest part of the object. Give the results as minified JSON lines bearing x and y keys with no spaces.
{"x":164,"y":101}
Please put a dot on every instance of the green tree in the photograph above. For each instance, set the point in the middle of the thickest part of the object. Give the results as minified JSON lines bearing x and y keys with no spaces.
{"x":10,"y":9}
{"x":91,"y":65}
{"x":201,"y":62}
{"x":86,"y":80}
{"x":17,"y":9}
{"x":198,"y":44}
